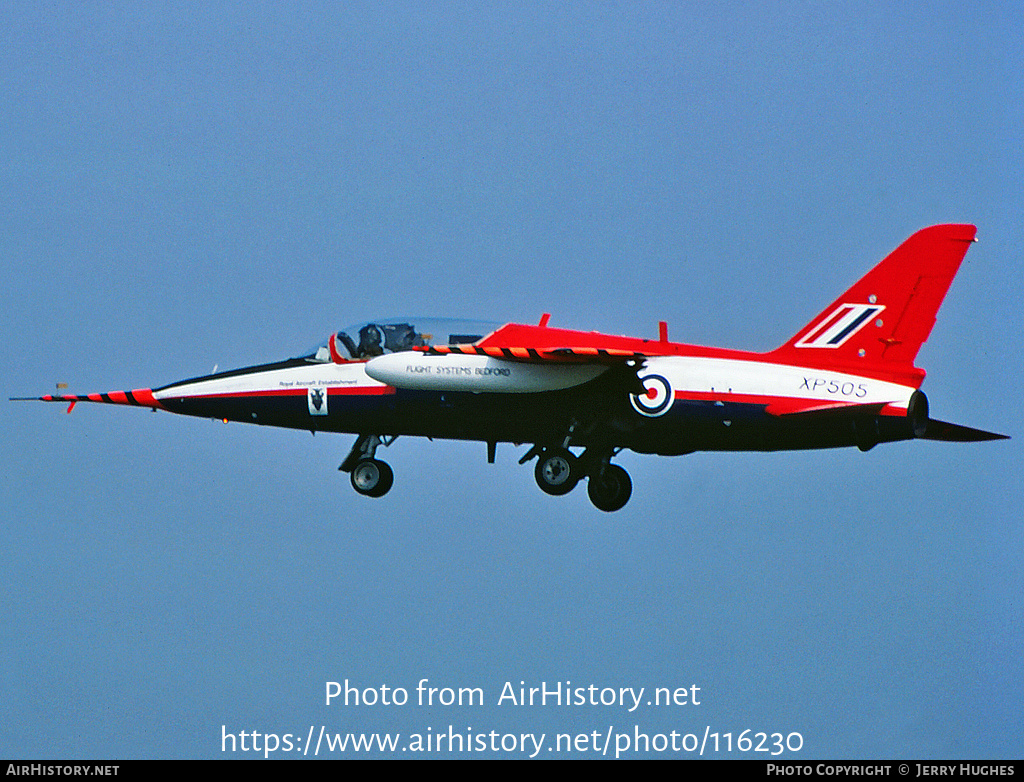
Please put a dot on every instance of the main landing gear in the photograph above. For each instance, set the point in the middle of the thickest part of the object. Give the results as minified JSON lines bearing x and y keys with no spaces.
{"x":558,"y":471}
{"x":370,"y":476}
{"x":609,"y":488}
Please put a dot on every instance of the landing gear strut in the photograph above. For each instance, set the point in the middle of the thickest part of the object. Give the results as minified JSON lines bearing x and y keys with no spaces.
{"x":558,"y":471}
{"x":370,"y":476}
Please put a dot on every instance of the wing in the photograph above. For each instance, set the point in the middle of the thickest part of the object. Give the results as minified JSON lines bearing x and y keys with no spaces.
{"x":519,"y":342}
{"x":563,"y":355}
{"x":619,"y":357}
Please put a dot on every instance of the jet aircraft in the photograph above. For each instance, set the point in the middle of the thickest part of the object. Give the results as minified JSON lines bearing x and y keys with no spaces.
{"x":847,"y":378}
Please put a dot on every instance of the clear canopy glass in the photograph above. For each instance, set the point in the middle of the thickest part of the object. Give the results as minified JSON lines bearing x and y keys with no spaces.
{"x":377,"y":337}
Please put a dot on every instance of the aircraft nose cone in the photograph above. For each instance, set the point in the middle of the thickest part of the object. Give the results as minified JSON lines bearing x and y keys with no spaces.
{"x":139,"y":397}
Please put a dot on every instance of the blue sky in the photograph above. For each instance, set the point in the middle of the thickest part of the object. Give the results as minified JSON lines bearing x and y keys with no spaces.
{"x":223,"y":184}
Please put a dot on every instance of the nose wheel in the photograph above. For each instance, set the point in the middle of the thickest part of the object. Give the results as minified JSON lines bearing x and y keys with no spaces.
{"x":372,"y":477}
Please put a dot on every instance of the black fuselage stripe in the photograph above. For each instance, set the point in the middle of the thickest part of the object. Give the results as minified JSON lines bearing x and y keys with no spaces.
{"x":288,"y":363}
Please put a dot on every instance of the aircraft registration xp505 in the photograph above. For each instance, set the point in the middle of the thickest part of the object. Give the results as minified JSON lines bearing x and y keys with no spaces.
{"x":847,"y":378}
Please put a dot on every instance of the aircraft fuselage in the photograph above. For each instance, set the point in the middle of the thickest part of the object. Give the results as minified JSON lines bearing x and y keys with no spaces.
{"x":693,"y":403}
{"x":847,"y":378}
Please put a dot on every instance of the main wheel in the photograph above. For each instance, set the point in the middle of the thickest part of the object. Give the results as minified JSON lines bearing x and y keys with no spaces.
{"x":609,"y":488}
{"x":557,"y":472}
{"x":372,"y":477}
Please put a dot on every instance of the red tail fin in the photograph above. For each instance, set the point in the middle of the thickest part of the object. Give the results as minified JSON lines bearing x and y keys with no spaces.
{"x":888,"y":314}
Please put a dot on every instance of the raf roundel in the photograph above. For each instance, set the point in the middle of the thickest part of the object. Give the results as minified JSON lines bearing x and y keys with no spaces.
{"x":658,"y":398}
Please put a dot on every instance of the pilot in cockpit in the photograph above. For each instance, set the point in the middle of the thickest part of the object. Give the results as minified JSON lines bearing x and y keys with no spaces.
{"x":369,"y":342}
{"x":376,"y":339}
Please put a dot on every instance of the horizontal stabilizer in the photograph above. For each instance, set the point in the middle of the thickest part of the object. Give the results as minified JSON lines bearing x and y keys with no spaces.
{"x":954,"y":433}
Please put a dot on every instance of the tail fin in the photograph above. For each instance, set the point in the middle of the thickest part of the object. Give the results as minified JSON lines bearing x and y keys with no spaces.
{"x":888,"y":314}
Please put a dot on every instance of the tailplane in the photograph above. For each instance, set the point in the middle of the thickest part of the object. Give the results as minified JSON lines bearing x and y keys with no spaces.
{"x":887,"y":315}
{"x":955,"y":433}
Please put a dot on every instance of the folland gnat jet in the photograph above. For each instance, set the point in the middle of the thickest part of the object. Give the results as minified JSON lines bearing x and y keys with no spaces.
{"x":847,"y":378}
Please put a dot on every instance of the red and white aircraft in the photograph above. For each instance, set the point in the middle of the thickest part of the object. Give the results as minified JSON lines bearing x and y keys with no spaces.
{"x":846,"y":378}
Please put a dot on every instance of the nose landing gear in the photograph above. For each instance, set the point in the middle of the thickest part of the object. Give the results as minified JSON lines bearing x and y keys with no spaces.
{"x":370,"y":476}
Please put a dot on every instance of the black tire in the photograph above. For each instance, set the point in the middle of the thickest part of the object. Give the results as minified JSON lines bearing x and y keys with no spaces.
{"x":610,"y":489}
{"x":372,"y":477}
{"x":558,"y":471}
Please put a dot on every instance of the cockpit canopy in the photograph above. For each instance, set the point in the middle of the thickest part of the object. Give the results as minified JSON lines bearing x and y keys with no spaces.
{"x":377,"y":337}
